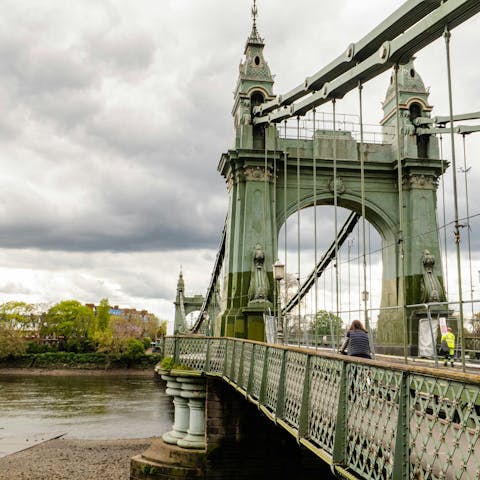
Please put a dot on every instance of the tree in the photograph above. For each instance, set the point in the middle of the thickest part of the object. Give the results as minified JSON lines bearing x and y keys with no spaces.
{"x":162,"y":329}
{"x":20,"y":316}
{"x":72,"y":321}
{"x":103,"y":315}
{"x":321,"y":324}
{"x":151,"y":326}
{"x":11,"y":343}
{"x":16,"y":320}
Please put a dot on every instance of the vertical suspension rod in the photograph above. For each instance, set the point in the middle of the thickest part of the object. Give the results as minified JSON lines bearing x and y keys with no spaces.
{"x":315,"y":224}
{"x":335,"y":202}
{"x":276,"y":286}
{"x":465,"y":171}
{"x":298,"y":224}
{"x":444,"y":219}
{"x":265,"y":185}
{"x":285,"y":171}
{"x":401,"y":246}
{"x":447,"y":35}
{"x":362,"y":187}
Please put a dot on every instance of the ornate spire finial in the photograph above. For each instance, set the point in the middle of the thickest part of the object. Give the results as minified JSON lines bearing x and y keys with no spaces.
{"x":254,"y":36}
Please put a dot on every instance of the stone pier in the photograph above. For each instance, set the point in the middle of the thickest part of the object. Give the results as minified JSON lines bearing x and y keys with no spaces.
{"x":226,"y":437}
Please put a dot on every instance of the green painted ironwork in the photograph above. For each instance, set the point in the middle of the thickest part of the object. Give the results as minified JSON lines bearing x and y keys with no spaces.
{"x":368,"y":419}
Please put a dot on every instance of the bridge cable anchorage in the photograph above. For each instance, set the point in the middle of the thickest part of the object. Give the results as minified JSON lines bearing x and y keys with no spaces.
{"x":399,"y":43}
{"x":447,"y":36}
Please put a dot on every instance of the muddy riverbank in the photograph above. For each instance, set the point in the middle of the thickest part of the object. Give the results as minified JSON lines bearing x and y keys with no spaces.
{"x":69,"y":459}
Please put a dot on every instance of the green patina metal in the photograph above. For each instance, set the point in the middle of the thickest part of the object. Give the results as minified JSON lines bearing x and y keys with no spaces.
{"x":262,"y":166}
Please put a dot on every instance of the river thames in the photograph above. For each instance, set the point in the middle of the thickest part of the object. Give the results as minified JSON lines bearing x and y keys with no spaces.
{"x":91,"y":406}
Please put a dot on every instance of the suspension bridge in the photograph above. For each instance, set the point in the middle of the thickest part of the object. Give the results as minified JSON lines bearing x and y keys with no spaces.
{"x":365,"y":418}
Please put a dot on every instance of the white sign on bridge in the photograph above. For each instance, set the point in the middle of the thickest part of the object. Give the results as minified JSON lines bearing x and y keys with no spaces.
{"x":270,"y":329}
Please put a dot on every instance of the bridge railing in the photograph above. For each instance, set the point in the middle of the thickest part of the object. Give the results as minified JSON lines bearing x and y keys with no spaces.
{"x":368,"y":419}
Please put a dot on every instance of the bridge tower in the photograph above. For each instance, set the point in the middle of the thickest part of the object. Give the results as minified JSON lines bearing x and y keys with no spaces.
{"x":270,"y":178}
{"x":420,"y":161}
{"x":251,"y":232}
{"x":184,"y":305}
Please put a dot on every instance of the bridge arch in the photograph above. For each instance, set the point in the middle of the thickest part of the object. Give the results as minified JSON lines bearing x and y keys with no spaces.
{"x":384,"y":222}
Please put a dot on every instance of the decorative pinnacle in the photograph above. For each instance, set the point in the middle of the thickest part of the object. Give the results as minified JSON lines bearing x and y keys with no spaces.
{"x":254,"y":36}
{"x":254,"y":14}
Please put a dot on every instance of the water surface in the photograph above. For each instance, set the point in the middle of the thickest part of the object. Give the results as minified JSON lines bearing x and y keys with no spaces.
{"x":85,"y":407}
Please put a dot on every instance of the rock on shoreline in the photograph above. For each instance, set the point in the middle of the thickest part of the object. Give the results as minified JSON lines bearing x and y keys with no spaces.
{"x":68,"y":459}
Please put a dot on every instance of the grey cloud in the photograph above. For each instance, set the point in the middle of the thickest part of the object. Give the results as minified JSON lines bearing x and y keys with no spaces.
{"x":39,"y":68}
{"x":14,"y":287}
{"x":122,"y":51}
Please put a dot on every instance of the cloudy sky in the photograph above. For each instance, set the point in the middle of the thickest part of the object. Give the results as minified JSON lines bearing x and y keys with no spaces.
{"x":114,"y":117}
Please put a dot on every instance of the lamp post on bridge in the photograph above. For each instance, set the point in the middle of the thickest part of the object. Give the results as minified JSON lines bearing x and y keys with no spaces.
{"x":279,"y":275}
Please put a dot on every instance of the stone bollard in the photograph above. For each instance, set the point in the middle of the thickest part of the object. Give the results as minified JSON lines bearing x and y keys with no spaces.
{"x":181,"y":411}
{"x":193,"y":389}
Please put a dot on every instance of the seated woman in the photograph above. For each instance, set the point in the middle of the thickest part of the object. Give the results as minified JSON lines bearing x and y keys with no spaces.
{"x":358,"y":341}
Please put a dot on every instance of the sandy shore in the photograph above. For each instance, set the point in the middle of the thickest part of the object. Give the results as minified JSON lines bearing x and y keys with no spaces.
{"x":65,"y":459}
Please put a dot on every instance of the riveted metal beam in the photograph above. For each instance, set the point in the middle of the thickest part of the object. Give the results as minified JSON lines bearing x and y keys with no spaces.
{"x":442,"y":119}
{"x":397,"y":51}
{"x":396,"y":23}
{"x":462,"y":129}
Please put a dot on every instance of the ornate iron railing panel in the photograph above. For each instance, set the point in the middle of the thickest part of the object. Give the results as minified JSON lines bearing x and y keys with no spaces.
{"x":445,"y":429}
{"x":372,"y":419}
{"x":295,"y":366}
{"x":192,"y":351}
{"x":237,"y":354}
{"x":259,"y":352}
{"x":372,"y":410}
{"x":247,"y":362}
{"x":274,"y":367}
{"x":229,"y":357}
{"x":216,"y":355}
{"x":169,"y":347}
{"x":324,"y":392}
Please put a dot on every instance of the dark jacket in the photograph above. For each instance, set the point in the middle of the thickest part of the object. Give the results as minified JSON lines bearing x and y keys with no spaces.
{"x":359,"y":345}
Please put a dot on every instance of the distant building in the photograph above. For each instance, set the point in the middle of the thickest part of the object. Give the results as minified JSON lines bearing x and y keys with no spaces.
{"x":127,"y":313}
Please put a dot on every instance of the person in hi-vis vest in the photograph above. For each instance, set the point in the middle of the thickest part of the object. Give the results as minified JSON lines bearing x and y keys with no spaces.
{"x":449,"y":339}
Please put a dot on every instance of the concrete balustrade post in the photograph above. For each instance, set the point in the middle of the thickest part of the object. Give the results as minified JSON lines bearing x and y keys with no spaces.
{"x":193,"y":389}
{"x":181,"y":411}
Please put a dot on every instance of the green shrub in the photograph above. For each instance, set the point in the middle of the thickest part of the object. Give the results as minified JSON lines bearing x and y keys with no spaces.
{"x":134,"y":350}
{"x":167,"y":363}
